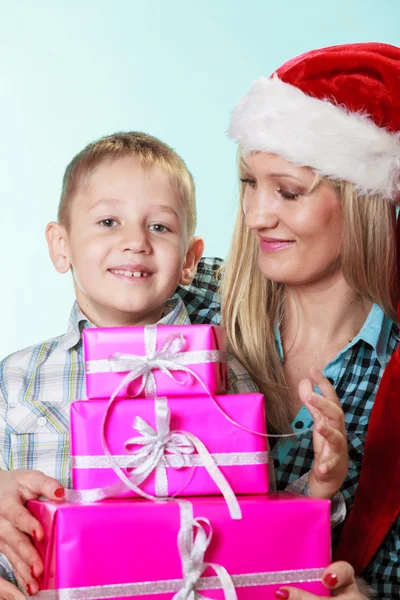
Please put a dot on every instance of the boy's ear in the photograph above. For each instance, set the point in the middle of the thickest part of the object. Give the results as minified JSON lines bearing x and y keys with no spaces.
{"x":56,"y":236}
{"x":193,"y":255}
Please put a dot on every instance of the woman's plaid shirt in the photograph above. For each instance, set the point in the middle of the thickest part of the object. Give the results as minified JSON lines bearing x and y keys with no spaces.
{"x":356,"y":385}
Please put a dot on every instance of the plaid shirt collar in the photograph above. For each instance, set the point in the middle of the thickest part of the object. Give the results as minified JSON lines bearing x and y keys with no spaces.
{"x":174,"y":313}
{"x":375,"y":332}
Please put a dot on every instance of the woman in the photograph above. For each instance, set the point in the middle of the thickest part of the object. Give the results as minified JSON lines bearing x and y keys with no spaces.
{"x":310,"y":280}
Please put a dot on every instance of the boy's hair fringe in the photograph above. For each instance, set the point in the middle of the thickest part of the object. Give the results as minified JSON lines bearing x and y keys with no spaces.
{"x":151,"y":152}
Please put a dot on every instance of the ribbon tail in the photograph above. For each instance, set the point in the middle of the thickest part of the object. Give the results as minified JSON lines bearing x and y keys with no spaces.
{"x":226,"y":581}
{"x":161,"y":483}
{"x":219,"y":479}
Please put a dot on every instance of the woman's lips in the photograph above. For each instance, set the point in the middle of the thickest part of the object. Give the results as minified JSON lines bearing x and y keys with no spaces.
{"x":271,"y":245}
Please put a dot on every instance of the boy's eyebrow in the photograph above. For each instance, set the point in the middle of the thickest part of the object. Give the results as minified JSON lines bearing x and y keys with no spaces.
{"x":107,"y":201}
{"x":115,"y":201}
{"x":165,"y":208}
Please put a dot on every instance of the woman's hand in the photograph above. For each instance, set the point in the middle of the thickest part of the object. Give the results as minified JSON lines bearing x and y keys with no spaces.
{"x":338,"y":577}
{"x":329,"y":436}
{"x":18,"y":526}
{"x":9,"y":591}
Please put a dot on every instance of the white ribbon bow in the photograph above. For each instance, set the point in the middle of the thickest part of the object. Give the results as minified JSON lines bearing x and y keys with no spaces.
{"x":192,"y":548}
{"x":143,"y":366}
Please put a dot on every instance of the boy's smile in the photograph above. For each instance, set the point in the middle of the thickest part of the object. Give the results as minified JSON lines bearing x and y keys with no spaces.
{"x":127,"y":244}
{"x":135,"y":273}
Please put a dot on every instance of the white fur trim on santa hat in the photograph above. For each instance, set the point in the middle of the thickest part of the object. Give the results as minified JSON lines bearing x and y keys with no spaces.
{"x":278,"y":118}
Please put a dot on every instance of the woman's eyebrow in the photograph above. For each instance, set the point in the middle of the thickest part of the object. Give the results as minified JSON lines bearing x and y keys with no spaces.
{"x":285,"y":175}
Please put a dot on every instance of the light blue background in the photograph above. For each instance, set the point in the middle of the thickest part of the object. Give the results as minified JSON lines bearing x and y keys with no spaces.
{"x":72,"y":71}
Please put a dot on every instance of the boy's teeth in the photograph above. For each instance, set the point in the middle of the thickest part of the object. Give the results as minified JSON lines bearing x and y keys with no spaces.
{"x":132,"y":274}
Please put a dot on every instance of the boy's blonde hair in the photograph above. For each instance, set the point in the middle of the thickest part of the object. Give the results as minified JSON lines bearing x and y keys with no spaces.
{"x":253,"y":305}
{"x":149,"y":150}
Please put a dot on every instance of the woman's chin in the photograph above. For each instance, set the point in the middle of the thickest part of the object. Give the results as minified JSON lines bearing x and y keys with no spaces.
{"x":274,"y":271}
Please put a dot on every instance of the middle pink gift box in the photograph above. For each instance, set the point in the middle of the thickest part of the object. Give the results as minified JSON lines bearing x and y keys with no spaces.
{"x":156,"y":440}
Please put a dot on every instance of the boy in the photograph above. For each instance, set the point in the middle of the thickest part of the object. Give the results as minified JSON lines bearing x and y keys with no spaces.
{"x":125,"y":230}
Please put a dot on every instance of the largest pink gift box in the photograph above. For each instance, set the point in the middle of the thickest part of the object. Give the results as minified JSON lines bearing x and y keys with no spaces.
{"x":101,"y":343}
{"x":242,"y":455}
{"x":119,"y":542}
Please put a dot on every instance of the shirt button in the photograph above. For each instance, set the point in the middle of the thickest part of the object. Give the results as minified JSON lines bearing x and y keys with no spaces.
{"x":276,"y":463}
{"x":41,"y":421}
{"x":299,"y":425}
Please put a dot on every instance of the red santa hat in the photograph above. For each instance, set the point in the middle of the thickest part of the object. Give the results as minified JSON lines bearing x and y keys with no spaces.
{"x":336,"y":110}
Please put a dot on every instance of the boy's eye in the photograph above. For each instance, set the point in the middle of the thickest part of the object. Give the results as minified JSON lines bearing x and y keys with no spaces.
{"x":249,"y":181}
{"x":158,"y":227}
{"x":108,"y":223}
{"x":288,"y":195}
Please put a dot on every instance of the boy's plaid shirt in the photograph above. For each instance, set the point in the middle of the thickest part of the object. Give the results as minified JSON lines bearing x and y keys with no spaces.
{"x":356,"y":386}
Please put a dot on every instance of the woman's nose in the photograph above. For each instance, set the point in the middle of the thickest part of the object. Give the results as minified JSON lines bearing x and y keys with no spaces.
{"x":261,"y":211}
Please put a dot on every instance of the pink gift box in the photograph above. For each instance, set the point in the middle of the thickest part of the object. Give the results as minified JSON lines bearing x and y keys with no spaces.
{"x":102,"y":343}
{"x":241,"y":456}
{"x":129,"y":549}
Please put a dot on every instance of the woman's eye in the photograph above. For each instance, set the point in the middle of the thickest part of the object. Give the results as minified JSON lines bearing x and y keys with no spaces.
{"x":158,"y":227}
{"x":249,"y":181}
{"x":108,"y":223}
{"x":287,"y":195}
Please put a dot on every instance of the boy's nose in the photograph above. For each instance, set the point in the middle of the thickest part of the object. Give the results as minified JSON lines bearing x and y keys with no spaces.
{"x":136,"y":242}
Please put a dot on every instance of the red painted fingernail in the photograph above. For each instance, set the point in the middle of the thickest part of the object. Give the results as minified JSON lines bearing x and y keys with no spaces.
{"x":34,"y":536}
{"x":59,"y":493}
{"x":32,"y":572}
{"x":28,"y":589}
{"x":282,"y":594}
{"x":330,"y":579}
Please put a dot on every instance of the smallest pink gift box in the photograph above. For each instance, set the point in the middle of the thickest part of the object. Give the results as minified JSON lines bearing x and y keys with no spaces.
{"x":101,"y":344}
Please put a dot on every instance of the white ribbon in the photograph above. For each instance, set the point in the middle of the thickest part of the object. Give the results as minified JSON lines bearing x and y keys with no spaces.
{"x":169,"y":586}
{"x":152,"y":456}
{"x":193,"y":541}
{"x":222,"y":459}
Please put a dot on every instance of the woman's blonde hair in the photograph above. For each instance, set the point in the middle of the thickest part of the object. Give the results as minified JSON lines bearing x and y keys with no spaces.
{"x":252,"y":305}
